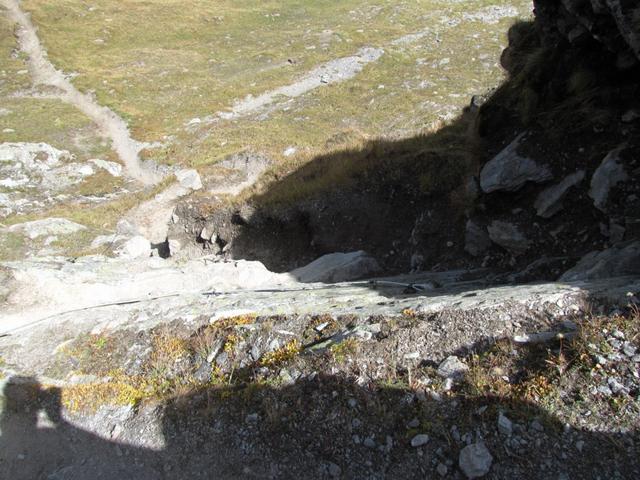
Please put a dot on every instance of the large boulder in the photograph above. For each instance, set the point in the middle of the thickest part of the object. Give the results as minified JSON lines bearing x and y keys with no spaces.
{"x":338,"y":267}
{"x":510,"y":171}
{"x":617,"y":261}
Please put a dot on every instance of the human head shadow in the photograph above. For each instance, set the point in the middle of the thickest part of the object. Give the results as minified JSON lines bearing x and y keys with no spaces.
{"x":319,"y":425}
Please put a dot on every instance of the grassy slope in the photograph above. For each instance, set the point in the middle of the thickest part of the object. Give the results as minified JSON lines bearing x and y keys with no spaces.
{"x":160,"y":64}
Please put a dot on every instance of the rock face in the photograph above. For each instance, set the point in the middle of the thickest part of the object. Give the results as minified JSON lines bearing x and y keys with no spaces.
{"x":622,"y":259}
{"x":549,"y":201}
{"x":608,"y":175}
{"x":475,"y":460}
{"x":612,"y":23}
{"x":337,"y":267}
{"x":510,"y":171}
{"x":508,"y":237}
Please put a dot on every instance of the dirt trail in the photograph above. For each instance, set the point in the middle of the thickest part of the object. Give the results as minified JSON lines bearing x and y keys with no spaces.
{"x":337,"y":70}
{"x":110,"y":124}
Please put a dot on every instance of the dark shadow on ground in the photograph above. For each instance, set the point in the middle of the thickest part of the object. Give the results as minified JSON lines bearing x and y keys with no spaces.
{"x":320,"y":426}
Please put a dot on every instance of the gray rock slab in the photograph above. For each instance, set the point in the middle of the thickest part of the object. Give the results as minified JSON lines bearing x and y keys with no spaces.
{"x":509,"y":170}
{"x":549,"y":201}
{"x":621,"y":259}
{"x":338,"y":267}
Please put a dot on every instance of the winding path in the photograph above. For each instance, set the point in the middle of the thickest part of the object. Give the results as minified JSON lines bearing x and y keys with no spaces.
{"x":109,"y":123}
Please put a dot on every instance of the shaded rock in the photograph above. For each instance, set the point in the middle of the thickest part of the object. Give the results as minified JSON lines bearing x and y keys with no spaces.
{"x":189,"y":178}
{"x":630,"y":116}
{"x":48,"y":226}
{"x":136,"y":247}
{"x":619,"y":260}
{"x":337,"y":267}
{"x":419,"y":440}
{"x":452,"y":367}
{"x":612,"y":23}
{"x":607,"y":175}
{"x":475,"y":460}
{"x":508,"y":237}
{"x":510,"y":171}
{"x":476,"y":239}
{"x":616,"y":232}
{"x":549,"y":201}
{"x":505,"y":426}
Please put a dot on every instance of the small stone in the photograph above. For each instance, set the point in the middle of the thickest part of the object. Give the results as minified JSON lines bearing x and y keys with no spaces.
{"x":505,"y":426}
{"x":415,"y":423}
{"x":441,"y":469}
{"x":475,"y":460}
{"x":352,"y":403}
{"x":252,"y":418}
{"x":334,"y":470}
{"x":615,"y":385}
{"x":419,"y":440}
{"x":629,"y":349}
{"x":537,"y":426}
{"x":356,"y":423}
{"x":369,"y":442}
{"x":604,"y":390}
{"x":580,"y":445}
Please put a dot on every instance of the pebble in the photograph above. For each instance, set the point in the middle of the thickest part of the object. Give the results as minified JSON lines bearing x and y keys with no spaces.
{"x":369,"y":442}
{"x":334,"y":470}
{"x":415,"y":423}
{"x":419,"y":440}
{"x":580,"y":445}
{"x":441,"y":469}
{"x":629,"y":349}
{"x":537,"y":426}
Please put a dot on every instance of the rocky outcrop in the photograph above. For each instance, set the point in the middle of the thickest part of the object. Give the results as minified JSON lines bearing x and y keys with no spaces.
{"x":613,"y":23}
